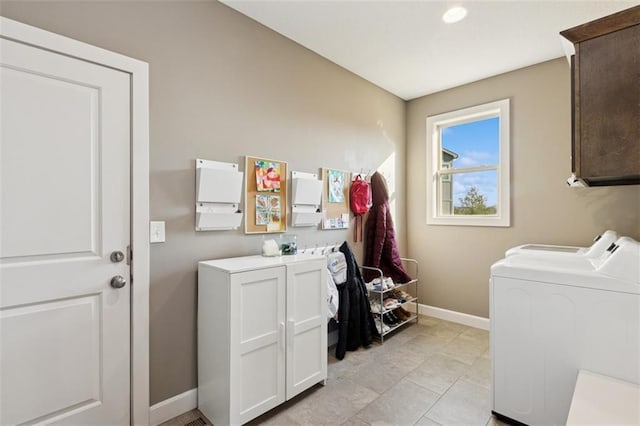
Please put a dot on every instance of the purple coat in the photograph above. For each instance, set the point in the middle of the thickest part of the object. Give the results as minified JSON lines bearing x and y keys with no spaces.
{"x":380,"y":246}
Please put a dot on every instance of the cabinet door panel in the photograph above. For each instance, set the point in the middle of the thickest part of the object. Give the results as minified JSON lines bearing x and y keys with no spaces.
{"x":609,"y":105}
{"x":257,"y":342}
{"x":306,"y":325}
{"x":259,"y":381}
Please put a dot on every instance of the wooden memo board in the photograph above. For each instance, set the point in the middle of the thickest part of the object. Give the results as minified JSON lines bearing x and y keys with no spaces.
{"x":335,"y":205}
{"x":266,"y":202}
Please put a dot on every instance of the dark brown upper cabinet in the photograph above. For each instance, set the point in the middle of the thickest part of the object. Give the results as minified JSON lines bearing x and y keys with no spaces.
{"x":606,"y":99}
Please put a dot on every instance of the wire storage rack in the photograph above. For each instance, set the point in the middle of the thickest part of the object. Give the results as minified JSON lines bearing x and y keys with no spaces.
{"x":388,"y":299}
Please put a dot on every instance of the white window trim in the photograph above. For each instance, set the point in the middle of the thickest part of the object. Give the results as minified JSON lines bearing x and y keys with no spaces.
{"x":465,"y":115}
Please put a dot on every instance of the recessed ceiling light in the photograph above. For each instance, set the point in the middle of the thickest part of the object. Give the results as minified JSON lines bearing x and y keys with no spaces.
{"x":454,"y":14}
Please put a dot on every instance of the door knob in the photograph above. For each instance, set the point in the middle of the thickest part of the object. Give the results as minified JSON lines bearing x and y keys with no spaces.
{"x":118,"y":281}
{"x":117,"y":256}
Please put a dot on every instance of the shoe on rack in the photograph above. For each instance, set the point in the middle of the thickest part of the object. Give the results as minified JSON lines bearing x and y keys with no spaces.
{"x":382,"y":328}
{"x":375,"y":307}
{"x":376,"y":284}
{"x":394,"y":317}
{"x":388,"y":283}
{"x":369,"y":285}
{"x":390,"y":320}
{"x":380,"y":284}
{"x":401,"y":315}
{"x":399,"y":298}
{"x":395,"y":294}
{"x":404,"y":311}
{"x":376,"y":320}
{"x":404,"y":294}
{"x":390,"y":303}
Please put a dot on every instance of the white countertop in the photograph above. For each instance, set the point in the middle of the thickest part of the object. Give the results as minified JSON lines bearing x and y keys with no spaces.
{"x":602,"y":400}
{"x":247,"y":263}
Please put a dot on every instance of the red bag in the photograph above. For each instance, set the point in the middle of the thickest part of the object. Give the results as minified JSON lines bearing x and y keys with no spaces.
{"x":360,"y":200}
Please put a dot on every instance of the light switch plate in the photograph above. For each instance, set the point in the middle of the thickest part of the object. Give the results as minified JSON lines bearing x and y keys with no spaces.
{"x":156,"y":232}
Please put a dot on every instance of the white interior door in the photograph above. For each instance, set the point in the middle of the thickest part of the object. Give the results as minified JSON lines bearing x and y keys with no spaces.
{"x":64,"y":209}
{"x":306,"y":325}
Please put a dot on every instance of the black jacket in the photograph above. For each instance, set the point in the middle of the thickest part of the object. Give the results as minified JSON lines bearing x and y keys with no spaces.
{"x":356,"y":326}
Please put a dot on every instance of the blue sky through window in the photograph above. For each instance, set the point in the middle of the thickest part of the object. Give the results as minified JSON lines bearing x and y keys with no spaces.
{"x":477,"y":144}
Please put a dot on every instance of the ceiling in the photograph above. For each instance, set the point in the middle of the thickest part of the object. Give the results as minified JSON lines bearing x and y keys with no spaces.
{"x":405,"y":47}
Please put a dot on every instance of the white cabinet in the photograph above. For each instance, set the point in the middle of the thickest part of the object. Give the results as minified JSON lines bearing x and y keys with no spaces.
{"x":262,"y":333}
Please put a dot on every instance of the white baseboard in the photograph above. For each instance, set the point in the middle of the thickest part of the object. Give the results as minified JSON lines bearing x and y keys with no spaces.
{"x":453,"y":316}
{"x":173,"y":407}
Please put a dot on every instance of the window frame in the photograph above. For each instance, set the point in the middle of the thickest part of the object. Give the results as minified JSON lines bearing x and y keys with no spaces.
{"x":435,"y":123}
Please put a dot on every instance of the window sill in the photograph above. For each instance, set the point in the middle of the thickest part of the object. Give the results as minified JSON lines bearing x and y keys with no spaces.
{"x":470,"y":221}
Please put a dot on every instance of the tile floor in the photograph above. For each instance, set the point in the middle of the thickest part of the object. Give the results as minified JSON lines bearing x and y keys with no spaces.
{"x":431,"y":373}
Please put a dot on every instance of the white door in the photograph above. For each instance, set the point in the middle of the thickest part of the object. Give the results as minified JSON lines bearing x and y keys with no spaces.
{"x":257,"y":342}
{"x":306,"y":325}
{"x":64,"y":209}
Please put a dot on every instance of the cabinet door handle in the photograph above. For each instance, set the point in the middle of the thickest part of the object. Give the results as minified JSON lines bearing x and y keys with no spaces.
{"x":282,"y":340}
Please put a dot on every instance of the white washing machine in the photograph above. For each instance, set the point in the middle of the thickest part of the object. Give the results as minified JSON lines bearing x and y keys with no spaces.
{"x":600,"y":244}
{"x":551,"y":317}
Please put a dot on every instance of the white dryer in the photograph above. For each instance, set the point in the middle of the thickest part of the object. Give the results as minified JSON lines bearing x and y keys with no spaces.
{"x":552,"y":316}
{"x":600,"y":244}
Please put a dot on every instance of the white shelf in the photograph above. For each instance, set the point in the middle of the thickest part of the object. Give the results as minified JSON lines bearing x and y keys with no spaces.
{"x":218,"y":195}
{"x":305,"y":188}
{"x":396,"y":286}
{"x":210,"y":218}
{"x":305,"y":218}
{"x":218,"y":185}
{"x":306,"y":194}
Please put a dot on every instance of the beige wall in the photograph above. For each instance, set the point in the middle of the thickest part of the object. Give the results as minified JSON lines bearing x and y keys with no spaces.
{"x":223,"y":86}
{"x":455,"y":260}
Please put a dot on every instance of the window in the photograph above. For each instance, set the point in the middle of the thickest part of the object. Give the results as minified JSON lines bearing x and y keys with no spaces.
{"x":468,"y":166}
